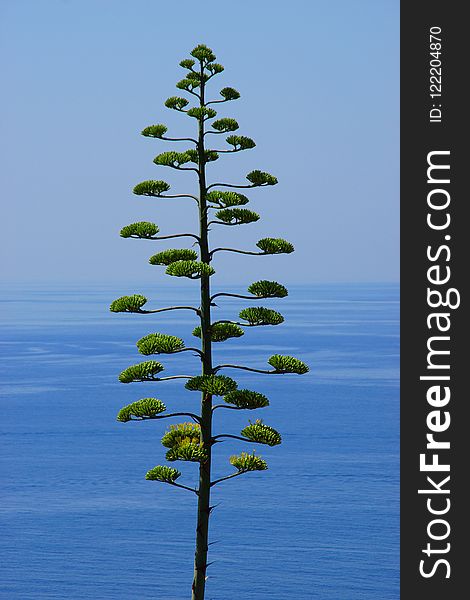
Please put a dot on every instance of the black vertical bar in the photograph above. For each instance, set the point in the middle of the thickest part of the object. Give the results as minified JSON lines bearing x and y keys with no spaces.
{"x":434,"y":130}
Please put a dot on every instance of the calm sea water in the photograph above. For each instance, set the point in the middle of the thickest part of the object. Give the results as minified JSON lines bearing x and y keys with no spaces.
{"x":78,"y":519}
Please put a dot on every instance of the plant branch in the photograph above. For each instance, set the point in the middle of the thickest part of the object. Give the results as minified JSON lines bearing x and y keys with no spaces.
{"x":177,"y":414}
{"x":234,"y":437}
{"x":245,"y":369}
{"x":232,"y":185}
{"x":178,"y":139}
{"x":158,"y":310}
{"x":239,"y":296}
{"x":167,"y":237}
{"x":178,"y":195}
{"x":227,"y":406}
{"x":238,"y":251}
{"x":183,"y":487}
{"x":228,"y":477}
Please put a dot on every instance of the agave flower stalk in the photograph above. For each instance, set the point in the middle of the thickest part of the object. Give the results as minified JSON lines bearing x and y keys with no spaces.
{"x":193,"y":441}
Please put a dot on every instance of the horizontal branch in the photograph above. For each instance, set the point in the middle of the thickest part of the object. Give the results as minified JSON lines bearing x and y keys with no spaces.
{"x":167,"y":237}
{"x":231,"y":185}
{"x":178,"y":139}
{"x":227,"y":477}
{"x":238,"y":296}
{"x":158,"y":310}
{"x":227,"y":406}
{"x":216,"y":102}
{"x":177,"y":414}
{"x":164,"y":378}
{"x":180,"y":169}
{"x":234,"y":437}
{"x":238,"y":251}
{"x":178,"y":196}
{"x":223,"y":222}
{"x":238,"y":323}
{"x":245,"y":369}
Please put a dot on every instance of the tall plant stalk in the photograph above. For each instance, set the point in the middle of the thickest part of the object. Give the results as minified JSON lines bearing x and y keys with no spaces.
{"x":193,"y":441}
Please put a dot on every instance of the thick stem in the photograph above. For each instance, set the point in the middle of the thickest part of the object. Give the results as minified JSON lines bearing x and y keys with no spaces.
{"x":203,"y":507}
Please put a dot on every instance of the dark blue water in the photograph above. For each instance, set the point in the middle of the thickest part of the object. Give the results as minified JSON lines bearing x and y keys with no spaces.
{"x":79,"y":521}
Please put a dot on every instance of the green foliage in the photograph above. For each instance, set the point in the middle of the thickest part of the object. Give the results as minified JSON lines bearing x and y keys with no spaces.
{"x":217,"y":385}
{"x":187,"y":84}
{"x":245,"y":462}
{"x":246,"y":399}
{"x":142,"y":229}
{"x":264,"y":434}
{"x":267,"y":289}
{"x":196,"y":76}
{"x":288,"y":364}
{"x":163,"y":473}
{"x":187,"y":451}
{"x":226,"y":199}
{"x":187,"y":63}
{"x":229,"y":93}
{"x":166,"y":257}
{"x":172,"y":159}
{"x":203,"y":54}
{"x":144,"y":371}
{"x":240,"y":142}
{"x":159,"y":343}
{"x":258,"y":178}
{"x":190,"y":269}
{"x":155,"y":131}
{"x":151,"y":188}
{"x":176,"y":103}
{"x":131,"y":304}
{"x":144,"y":408}
{"x":202,"y":112}
{"x":258,"y":315}
{"x":237,"y":216}
{"x":275,"y":246}
{"x":214,"y":68}
{"x":219,"y":332}
{"x":225,"y":125}
{"x":181,"y":432}
{"x":209,"y":156}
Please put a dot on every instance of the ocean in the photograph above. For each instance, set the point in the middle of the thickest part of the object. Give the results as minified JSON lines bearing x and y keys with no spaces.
{"x":78,"y":519}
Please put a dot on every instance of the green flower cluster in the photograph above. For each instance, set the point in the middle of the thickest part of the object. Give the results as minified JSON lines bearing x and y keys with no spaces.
{"x":190,"y":269}
{"x":267,"y":289}
{"x":163,"y":473}
{"x":258,"y":178}
{"x":237,"y":216}
{"x":132,"y":304}
{"x":220,"y":332}
{"x":226,"y":199}
{"x":217,"y":385}
{"x":181,"y":432}
{"x":159,"y":343}
{"x":144,"y":371}
{"x":246,"y":399}
{"x":166,"y":257}
{"x":144,"y":408}
{"x":245,"y":462}
{"x":275,"y":246}
{"x":226,"y":124}
{"x":155,"y":131}
{"x":288,"y":364}
{"x":258,"y":315}
{"x":151,"y":188}
{"x":264,"y":434}
{"x":142,"y":229}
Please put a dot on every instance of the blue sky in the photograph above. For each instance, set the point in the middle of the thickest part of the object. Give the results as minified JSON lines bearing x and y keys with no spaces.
{"x":319,"y":82}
